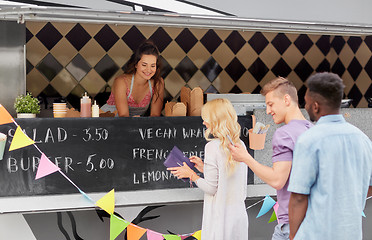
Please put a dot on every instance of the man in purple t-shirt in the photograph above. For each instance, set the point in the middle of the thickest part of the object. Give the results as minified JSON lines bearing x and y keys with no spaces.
{"x":282,"y":104}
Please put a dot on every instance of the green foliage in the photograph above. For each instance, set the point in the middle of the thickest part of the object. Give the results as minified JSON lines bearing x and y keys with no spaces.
{"x":27,"y":104}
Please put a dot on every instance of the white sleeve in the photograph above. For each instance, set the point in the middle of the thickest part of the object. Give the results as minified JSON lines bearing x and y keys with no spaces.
{"x":210,"y":181}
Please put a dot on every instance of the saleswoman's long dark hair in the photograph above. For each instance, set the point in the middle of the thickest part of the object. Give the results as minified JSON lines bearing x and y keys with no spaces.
{"x":146,"y":48}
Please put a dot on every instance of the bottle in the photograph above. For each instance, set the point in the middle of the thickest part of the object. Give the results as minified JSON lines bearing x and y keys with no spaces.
{"x":95,"y":109}
{"x":85,"y":106}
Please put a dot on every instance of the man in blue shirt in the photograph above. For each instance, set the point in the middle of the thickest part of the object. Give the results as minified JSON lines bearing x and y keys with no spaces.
{"x":331,"y":170}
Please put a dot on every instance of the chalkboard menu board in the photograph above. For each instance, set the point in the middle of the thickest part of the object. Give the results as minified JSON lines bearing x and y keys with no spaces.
{"x":99,"y":154}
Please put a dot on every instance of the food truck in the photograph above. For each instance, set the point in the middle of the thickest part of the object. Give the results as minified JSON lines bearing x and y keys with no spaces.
{"x":61,"y":52}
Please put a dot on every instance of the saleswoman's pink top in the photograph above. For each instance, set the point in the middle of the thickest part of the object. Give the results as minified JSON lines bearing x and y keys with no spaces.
{"x":134,"y":108}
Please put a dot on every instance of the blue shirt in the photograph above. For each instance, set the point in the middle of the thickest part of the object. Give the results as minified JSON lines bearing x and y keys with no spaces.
{"x":332,"y":163}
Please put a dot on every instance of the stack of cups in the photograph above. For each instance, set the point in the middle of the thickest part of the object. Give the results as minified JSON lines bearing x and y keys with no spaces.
{"x":59,"y":110}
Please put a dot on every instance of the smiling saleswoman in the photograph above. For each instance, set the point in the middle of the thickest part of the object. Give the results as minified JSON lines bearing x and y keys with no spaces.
{"x":140,"y":90}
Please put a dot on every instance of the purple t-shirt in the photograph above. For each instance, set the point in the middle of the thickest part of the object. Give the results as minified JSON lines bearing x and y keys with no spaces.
{"x":283,"y":142}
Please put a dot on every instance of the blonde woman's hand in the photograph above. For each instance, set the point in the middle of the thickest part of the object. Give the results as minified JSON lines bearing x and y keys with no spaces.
{"x":184,"y":172}
{"x":199,"y":164}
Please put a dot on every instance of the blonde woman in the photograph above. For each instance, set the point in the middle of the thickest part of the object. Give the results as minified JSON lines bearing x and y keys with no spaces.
{"x":225,"y":180}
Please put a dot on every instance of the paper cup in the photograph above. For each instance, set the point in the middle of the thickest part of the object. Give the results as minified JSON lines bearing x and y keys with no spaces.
{"x":2,"y":145}
{"x":59,"y":106}
{"x":256,"y":141}
{"x":60,"y":114}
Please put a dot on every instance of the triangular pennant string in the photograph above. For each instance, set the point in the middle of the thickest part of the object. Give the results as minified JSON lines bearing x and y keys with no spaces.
{"x":5,"y":116}
{"x":197,"y":235}
{"x":135,"y":232}
{"x":151,"y":235}
{"x":107,"y":202}
{"x":45,"y":167}
{"x":117,"y":225}
{"x":20,"y":140}
{"x":363,"y":214}
{"x":171,"y":237}
{"x":254,"y":204}
{"x":266,"y":206}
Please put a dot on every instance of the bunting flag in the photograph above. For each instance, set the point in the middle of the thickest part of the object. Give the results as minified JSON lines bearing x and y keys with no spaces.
{"x":363,"y":214}
{"x":171,"y":237}
{"x":117,"y":225}
{"x":107,"y":202}
{"x":184,"y":236}
{"x":5,"y":116}
{"x":20,"y":140}
{"x":45,"y":167}
{"x":135,"y":232}
{"x":151,"y":235}
{"x":275,"y":207}
{"x":197,"y":235}
{"x":273,"y":217}
{"x":85,"y":195}
{"x":266,"y":206}
{"x":275,"y":213}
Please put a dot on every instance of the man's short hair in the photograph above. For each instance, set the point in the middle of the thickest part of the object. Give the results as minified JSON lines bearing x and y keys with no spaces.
{"x":329,"y":86}
{"x":283,"y":85}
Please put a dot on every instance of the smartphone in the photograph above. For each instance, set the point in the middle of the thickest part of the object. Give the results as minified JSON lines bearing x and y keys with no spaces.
{"x":228,"y":137}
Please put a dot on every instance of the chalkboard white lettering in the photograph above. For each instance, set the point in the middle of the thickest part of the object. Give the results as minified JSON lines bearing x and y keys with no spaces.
{"x":68,"y":163}
{"x":12,"y":165}
{"x":65,"y":163}
{"x":88,"y":135}
{"x":194,"y":153}
{"x":62,"y":134}
{"x":49,"y":136}
{"x":90,"y":165}
{"x":25,"y":165}
{"x":102,"y":163}
{"x":11,"y":135}
{"x":96,"y":135}
{"x":165,"y":133}
{"x":193,"y":133}
{"x":30,"y":162}
{"x":152,"y":176}
{"x":106,"y":163}
{"x":149,"y":154}
{"x":34,"y":132}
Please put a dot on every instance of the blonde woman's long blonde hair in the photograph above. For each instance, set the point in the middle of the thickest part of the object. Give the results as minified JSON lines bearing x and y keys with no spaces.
{"x":223,"y":121}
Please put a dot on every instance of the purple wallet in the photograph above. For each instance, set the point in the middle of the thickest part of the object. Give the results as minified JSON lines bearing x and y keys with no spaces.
{"x":176,"y":158}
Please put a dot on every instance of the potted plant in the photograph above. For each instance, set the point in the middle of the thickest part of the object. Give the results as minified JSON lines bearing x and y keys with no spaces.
{"x":26,"y":106}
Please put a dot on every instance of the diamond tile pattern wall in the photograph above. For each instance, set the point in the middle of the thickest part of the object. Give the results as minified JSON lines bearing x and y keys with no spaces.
{"x":68,"y":59}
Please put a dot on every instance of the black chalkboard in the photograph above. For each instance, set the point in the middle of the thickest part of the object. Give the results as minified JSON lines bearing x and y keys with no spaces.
{"x":99,"y":154}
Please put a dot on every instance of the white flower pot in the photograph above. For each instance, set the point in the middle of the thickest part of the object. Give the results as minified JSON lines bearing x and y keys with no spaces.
{"x":26,"y":115}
